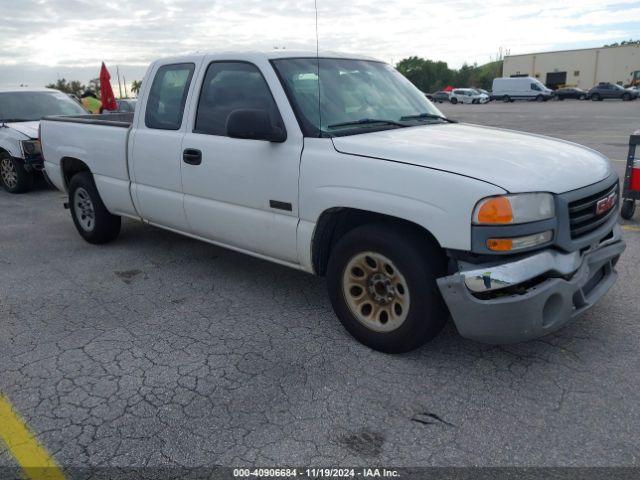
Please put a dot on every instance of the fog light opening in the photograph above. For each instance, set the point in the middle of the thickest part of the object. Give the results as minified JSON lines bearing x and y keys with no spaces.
{"x":552,"y":310}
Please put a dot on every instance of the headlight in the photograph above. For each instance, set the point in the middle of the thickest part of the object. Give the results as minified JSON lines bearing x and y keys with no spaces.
{"x":513,"y":209}
{"x":31,"y":148}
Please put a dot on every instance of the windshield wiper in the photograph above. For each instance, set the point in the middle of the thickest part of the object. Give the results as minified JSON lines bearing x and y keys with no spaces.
{"x":420,"y":116}
{"x":367,"y":121}
{"x":14,"y":120}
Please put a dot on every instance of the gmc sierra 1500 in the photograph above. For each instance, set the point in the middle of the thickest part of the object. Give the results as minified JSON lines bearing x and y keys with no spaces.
{"x":337,"y":165}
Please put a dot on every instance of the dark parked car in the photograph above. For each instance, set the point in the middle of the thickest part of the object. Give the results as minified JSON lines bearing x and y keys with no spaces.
{"x":570,"y":92}
{"x":441,"y":97}
{"x":611,"y":90}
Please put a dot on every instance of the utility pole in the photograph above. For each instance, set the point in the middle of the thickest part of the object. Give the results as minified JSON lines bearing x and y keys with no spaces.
{"x":119,"y":86}
{"x":124,"y":80}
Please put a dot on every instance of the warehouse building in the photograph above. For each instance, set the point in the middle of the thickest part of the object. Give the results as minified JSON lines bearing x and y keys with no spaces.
{"x":582,"y":68}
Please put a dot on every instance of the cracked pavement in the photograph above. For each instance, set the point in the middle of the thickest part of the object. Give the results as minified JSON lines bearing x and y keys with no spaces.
{"x":159,"y":350}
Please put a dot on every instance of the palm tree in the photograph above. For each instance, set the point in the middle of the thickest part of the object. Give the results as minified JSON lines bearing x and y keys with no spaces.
{"x":135,"y":86}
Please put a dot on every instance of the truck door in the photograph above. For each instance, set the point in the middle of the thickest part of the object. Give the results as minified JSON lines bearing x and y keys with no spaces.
{"x":242,"y":192}
{"x":155,"y":151}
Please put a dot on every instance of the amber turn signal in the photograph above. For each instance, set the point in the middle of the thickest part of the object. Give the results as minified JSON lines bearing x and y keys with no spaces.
{"x":500,"y":244}
{"x":519,"y":243}
{"x":496,"y":210}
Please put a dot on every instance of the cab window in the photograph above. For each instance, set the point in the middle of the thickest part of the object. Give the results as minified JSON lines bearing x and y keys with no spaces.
{"x":230,"y":86}
{"x":168,"y":95}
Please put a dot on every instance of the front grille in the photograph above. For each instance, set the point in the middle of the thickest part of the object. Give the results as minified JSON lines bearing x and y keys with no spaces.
{"x":582,"y":213}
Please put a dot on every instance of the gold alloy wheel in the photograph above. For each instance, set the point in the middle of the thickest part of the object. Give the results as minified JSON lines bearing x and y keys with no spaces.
{"x":376,"y":292}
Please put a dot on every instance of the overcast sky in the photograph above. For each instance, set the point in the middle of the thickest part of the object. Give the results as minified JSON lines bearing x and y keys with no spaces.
{"x":41,"y":40}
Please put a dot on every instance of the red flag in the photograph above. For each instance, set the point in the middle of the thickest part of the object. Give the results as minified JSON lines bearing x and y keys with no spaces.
{"x":106,"y":92}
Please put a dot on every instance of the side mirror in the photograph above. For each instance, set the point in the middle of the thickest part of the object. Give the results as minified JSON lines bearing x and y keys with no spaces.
{"x":253,"y":124}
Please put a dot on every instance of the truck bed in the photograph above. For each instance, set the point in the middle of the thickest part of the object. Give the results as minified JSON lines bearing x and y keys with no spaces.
{"x":109,"y":119}
{"x":100,"y":142}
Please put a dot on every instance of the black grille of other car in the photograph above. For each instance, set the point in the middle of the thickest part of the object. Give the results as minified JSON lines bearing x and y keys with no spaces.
{"x":582,"y":213}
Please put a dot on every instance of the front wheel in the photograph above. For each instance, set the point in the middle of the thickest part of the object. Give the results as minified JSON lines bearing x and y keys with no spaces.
{"x":539,"y":98}
{"x":626,"y":97}
{"x":628,"y":209}
{"x":382,"y":284}
{"x":454,"y":100}
{"x":90,"y":216}
{"x":506,"y":99}
{"x":13,"y":176}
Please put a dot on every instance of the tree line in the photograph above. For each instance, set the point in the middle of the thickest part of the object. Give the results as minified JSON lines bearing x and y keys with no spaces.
{"x":77,"y":88}
{"x":431,"y":76}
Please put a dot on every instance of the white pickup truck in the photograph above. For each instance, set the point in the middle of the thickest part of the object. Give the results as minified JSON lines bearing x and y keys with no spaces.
{"x":338,"y":166}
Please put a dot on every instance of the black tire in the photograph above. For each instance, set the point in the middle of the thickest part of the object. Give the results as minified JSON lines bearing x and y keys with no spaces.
{"x":628,"y":209}
{"x":416,"y":263}
{"x":582,"y":97}
{"x":506,"y":99}
{"x":13,"y":177}
{"x":86,"y":205}
{"x":539,"y":98}
{"x":626,"y":97}
{"x":596,"y":97}
{"x":454,"y":100}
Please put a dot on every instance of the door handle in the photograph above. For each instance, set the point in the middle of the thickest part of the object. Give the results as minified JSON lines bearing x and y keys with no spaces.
{"x":192,"y":156}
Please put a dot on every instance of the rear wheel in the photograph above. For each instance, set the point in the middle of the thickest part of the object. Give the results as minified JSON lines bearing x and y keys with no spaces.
{"x":382,"y":284}
{"x":596,"y":97}
{"x":13,"y":176}
{"x":90,"y":216}
{"x":628,"y":209}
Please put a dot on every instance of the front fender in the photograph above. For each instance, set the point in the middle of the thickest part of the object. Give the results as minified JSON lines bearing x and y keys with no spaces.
{"x":10,"y":144}
{"x":441,"y":202}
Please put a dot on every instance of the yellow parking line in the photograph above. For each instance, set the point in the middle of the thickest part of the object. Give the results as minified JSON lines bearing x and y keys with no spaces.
{"x":631,"y":228}
{"x":32,"y":457}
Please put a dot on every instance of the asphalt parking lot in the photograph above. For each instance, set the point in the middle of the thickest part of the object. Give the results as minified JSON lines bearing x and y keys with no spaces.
{"x":158,"y":350}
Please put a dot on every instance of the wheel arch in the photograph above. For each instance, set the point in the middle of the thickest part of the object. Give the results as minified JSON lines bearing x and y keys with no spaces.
{"x":70,"y":166}
{"x":333,"y":223}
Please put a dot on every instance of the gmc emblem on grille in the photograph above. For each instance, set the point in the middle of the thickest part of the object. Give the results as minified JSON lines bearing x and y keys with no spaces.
{"x":606,"y":204}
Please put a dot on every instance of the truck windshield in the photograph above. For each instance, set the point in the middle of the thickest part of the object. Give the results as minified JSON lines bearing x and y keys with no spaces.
{"x":29,"y":106}
{"x":355,"y":96}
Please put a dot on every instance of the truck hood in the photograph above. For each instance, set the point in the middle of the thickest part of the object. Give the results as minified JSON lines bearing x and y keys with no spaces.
{"x":517,"y":162}
{"x":30,"y":129}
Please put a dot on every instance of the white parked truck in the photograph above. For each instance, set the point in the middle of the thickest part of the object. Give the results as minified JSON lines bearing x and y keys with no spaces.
{"x":339,"y":166}
{"x":20,"y":111}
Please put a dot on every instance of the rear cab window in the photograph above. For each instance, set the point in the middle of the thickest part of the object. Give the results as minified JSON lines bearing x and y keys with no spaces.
{"x":168,"y":95}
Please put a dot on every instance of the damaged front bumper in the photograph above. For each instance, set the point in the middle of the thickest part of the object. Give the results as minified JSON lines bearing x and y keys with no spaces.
{"x":532,"y":296}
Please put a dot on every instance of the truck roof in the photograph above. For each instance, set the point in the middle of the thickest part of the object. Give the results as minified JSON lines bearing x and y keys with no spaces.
{"x":269,"y":55}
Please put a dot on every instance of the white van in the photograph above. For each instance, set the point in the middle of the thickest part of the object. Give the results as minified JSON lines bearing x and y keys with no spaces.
{"x":520,"y":88}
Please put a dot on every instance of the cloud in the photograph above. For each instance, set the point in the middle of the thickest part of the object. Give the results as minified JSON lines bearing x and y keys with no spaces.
{"x":43,"y":39}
